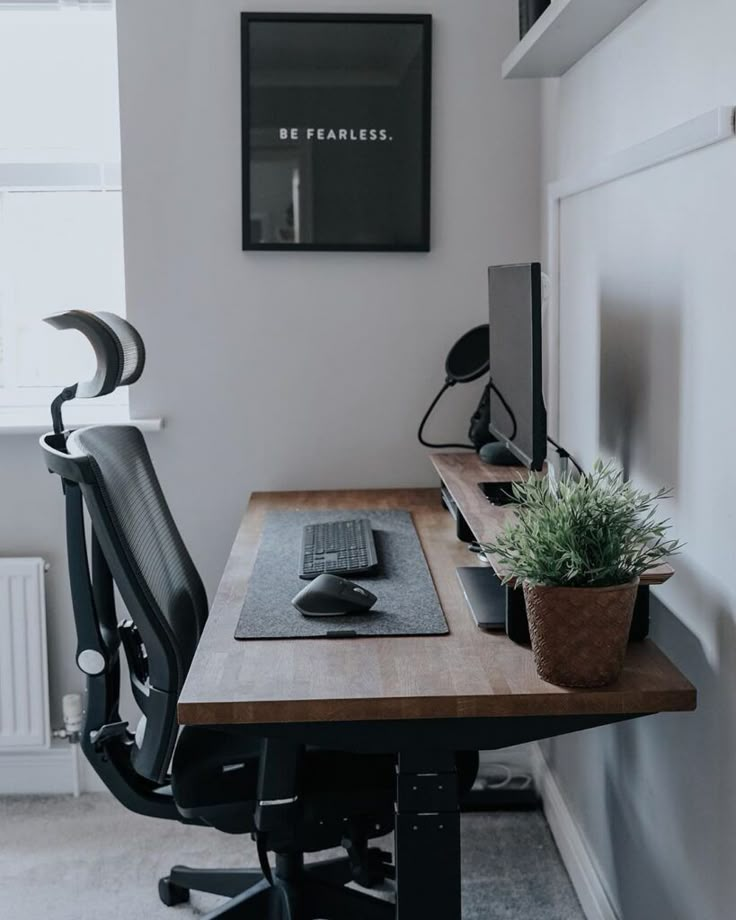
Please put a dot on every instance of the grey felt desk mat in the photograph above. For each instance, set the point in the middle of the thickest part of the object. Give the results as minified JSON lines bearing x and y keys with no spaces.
{"x":407,"y":603}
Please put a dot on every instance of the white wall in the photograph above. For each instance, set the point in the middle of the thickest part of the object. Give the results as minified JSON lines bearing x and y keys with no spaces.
{"x":62,"y":59}
{"x":286,"y":370}
{"x":304,"y":370}
{"x":647,"y":334}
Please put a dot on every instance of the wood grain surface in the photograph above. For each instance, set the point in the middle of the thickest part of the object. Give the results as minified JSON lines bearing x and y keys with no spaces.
{"x":468,"y":673}
{"x":461,"y":473}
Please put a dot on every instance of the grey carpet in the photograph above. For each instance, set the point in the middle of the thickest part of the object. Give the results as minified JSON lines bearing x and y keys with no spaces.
{"x":90,"y":859}
{"x":407,"y":602}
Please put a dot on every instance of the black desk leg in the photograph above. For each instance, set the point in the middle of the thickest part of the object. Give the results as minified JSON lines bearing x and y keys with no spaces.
{"x":427,"y":837}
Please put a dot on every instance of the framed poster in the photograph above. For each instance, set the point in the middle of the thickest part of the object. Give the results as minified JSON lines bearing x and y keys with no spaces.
{"x":336,"y":131}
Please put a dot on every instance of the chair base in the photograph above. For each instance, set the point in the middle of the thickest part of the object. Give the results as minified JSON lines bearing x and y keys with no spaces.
{"x":298,"y":892}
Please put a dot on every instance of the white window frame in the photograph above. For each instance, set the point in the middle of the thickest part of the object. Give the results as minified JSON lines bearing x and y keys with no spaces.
{"x":39,"y":177}
{"x":25,"y":410}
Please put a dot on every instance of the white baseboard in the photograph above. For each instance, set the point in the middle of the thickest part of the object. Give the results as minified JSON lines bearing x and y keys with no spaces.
{"x":518,"y":759}
{"x":582,"y":867}
{"x":47,"y":771}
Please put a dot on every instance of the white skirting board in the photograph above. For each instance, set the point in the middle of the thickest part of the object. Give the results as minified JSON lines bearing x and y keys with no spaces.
{"x":518,"y":759}
{"x":582,"y":866}
{"x":45,"y":772}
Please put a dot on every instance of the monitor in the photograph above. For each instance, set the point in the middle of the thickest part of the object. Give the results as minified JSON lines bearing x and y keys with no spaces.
{"x":517,"y":415}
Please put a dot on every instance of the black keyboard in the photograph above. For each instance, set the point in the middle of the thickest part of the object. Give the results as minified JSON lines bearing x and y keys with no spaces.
{"x":339,"y":547}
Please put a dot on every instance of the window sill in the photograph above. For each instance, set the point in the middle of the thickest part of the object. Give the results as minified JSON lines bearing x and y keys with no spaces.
{"x":33,"y":421}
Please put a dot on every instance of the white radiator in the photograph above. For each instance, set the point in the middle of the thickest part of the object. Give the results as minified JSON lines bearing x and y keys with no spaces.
{"x":24,"y":693}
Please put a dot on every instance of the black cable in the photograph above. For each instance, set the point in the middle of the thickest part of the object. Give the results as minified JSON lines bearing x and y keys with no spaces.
{"x":427,"y":414}
{"x":508,"y":409}
{"x":565,"y":455}
{"x":560,"y":450}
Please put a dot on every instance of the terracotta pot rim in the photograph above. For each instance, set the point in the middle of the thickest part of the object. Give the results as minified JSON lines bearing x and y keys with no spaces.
{"x":599,"y":589}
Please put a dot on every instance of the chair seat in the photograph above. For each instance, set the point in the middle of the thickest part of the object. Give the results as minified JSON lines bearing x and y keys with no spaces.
{"x":215,"y":776}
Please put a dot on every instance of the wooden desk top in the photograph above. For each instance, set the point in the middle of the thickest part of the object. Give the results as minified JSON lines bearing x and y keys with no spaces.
{"x":468,"y":673}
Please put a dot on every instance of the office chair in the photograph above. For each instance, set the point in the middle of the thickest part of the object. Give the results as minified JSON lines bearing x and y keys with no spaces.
{"x":235,"y":779}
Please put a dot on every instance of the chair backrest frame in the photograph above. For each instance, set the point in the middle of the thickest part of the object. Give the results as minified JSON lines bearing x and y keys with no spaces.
{"x":99,"y":633}
{"x":107,"y":744}
{"x":133,"y":766}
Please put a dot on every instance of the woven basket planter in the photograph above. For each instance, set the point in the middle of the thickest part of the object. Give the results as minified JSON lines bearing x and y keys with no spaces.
{"x":579,"y":635}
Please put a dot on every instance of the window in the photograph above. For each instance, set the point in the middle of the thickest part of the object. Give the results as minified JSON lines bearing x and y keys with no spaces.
{"x":61,"y":239}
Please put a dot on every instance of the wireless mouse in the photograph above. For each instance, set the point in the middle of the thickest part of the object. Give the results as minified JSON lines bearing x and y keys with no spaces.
{"x":330,"y":595}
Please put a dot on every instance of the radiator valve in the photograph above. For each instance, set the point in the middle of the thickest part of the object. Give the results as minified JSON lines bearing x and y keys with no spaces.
{"x":71,"y":709}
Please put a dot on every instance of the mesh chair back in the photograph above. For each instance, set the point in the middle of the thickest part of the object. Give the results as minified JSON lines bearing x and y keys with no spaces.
{"x":126,"y":500}
{"x":152,"y":569}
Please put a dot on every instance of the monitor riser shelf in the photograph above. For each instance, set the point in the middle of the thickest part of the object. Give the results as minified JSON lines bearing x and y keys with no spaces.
{"x":476,"y":494}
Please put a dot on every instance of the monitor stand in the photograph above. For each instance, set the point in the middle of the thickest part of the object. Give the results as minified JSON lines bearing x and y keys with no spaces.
{"x":496,"y":454}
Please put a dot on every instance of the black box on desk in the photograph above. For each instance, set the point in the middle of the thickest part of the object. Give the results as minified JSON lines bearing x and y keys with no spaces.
{"x":495,"y":606}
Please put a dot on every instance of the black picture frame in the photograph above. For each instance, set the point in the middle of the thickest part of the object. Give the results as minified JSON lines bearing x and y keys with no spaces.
{"x":419,"y":239}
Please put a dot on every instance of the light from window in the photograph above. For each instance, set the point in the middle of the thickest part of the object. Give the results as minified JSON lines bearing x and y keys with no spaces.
{"x":61,"y":240}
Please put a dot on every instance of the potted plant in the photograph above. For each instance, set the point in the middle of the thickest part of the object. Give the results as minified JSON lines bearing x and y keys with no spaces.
{"x":579,"y":547}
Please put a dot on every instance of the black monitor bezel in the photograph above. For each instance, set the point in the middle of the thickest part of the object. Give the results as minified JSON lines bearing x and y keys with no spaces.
{"x":539,"y":417}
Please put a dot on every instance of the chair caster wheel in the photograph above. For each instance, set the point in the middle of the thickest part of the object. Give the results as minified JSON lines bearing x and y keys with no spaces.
{"x":172,"y":894}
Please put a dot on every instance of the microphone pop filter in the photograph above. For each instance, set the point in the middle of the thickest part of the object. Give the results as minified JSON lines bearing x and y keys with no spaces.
{"x":469,"y":357}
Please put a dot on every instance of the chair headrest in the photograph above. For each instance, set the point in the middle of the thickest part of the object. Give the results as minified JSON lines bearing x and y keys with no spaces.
{"x":134,"y":351}
{"x":118,"y":347}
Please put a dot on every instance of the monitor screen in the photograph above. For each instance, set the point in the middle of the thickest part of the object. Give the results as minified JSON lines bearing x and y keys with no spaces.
{"x":517,"y":416}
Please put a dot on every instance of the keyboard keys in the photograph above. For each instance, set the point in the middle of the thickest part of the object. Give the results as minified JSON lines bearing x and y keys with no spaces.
{"x":338,"y":547}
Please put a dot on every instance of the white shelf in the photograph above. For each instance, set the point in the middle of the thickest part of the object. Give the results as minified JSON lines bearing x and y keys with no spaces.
{"x":563,"y":34}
